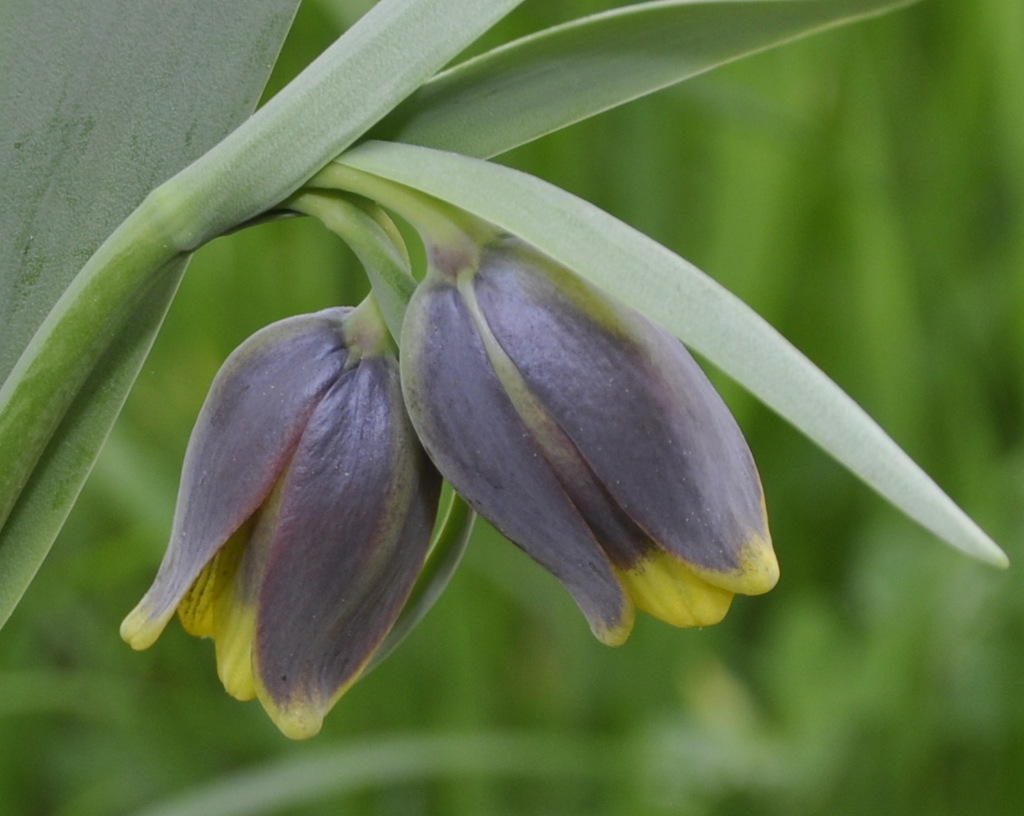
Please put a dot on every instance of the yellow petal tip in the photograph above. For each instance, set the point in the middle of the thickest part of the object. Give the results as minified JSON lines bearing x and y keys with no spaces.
{"x":756,"y":571}
{"x":234,"y":668}
{"x":298,"y":721}
{"x":668,"y":589}
{"x":618,"y":634}
{"x":235,"y":629}
{"x":758,"y":568}
{"x":140,"y":629}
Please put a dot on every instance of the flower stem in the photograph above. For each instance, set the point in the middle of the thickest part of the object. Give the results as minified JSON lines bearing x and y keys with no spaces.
{"x":367,"y":333}
{"x":375,"y":239}
{"x":452,"y":237}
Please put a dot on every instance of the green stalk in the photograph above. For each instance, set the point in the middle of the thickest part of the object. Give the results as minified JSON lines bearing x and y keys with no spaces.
{"x":80,"y":328}
{"x":376,"y":242}
{"x":445,"y":229}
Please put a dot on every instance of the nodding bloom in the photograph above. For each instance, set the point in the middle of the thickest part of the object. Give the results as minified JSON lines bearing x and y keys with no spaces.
{"x":304,"y":515}
{"x":587,"y":435}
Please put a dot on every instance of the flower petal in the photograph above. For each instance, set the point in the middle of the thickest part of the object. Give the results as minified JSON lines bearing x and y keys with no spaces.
{"x":641,"y":413}
{"x":245,"y":433}
{"x":235,"y":606}
{"x":352,"y":531}
{"x":472,"y":432}
{"x":666,"y":588}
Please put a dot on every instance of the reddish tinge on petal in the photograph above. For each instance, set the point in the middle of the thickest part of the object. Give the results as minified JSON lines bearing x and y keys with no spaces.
{"x":351,"y":534}
{"x":246,"y":432}
{"x":305,"y":515}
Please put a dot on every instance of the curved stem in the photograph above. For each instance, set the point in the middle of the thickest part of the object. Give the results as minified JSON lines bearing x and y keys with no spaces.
{"x":324,"y":110}
{"x":367,"y":333}
{"x":76,"y":333}
{"x":452,"y":236}
{"x":376,"y":242}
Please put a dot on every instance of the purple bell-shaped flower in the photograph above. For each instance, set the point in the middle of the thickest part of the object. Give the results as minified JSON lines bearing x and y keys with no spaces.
{"x":304,"y":515}
{"x":587,"y":435}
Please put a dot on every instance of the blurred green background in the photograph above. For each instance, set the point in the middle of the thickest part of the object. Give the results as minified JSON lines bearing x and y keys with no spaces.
{"x":864,"y":191}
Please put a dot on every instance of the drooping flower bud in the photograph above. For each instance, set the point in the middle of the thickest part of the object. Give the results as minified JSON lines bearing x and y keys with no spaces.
{"x":587,"y":435}
{"x":304,"y":515}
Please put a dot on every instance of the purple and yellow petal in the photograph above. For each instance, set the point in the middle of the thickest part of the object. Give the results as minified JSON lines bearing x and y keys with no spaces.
{"x":668,"y":589}
{"x":244,"y":435}
{"x":353,"y":529}
{"x":653,"y":432}
{"x":473,"y":432}
{"x":588,"y":436}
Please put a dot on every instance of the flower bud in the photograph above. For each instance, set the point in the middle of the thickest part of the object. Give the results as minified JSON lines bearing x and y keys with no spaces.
{"x":587,"y":435}
{"x":303,"y":518}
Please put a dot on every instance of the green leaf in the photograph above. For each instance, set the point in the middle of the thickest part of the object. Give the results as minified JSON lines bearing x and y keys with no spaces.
{"x":540,"y":83}
{"x":102,"y":101}
{"x":100,"y":105}
{"x":53,"y":487}
{"x":685,"y":301}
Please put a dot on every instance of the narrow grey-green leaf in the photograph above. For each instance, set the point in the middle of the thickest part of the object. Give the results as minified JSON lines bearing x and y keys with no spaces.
{"x":685,"y":301}
{"x":546,"y":81}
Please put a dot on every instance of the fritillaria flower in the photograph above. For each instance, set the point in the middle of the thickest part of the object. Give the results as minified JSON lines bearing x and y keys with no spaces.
{"x":304,"y":515}
{"x":587,"y":435}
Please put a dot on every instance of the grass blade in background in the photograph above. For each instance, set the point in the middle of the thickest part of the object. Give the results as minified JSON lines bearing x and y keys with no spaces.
{"x":540,"y":83}
{"x":709,"y":318}
{"x":386,"y":762}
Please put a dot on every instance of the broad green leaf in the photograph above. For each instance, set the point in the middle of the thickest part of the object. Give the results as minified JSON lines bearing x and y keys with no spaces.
{"x":100,"y":103}
{"x":681,"y":298}
{"x":546,"y":81}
